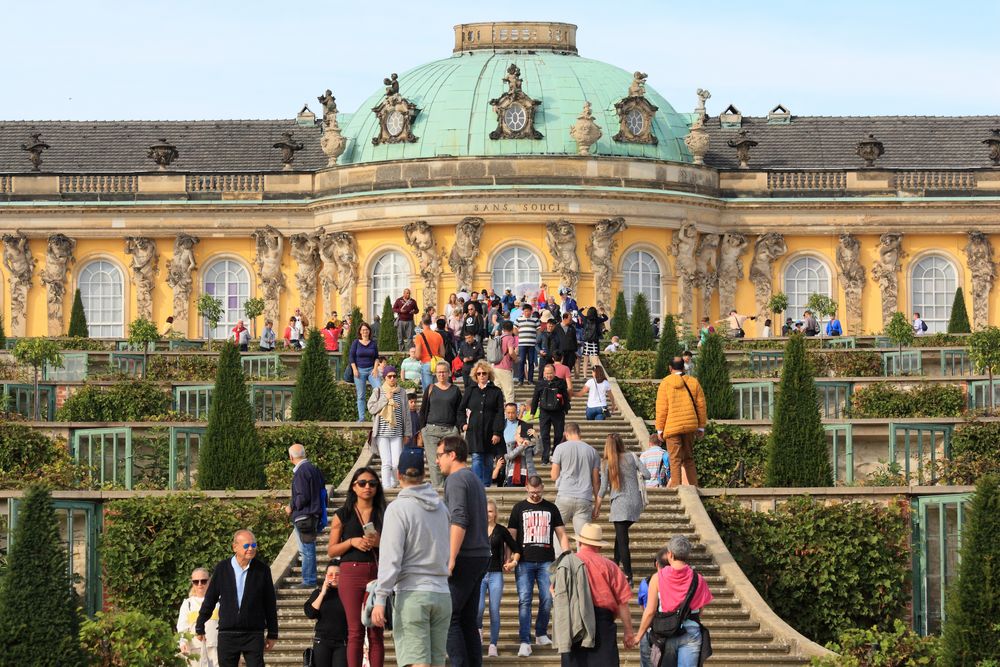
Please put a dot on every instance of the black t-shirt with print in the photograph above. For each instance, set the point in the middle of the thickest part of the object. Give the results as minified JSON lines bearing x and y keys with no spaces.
{"x":536,"y":525}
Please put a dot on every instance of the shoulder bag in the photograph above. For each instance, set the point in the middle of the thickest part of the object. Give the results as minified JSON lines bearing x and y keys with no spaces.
{"x":668,"y":624}
{"x":642,"y":481}
{"x":435,"y":359}
{"x":691,"y":396}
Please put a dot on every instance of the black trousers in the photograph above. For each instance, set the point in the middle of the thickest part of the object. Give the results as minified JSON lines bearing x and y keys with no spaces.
{"x":605,"y":651}
{"x":623,"y":555}
{"x":248,"y":644}
{"x":328,"y":653}
{"x":464,"y":645}
{"x":555,"y":420}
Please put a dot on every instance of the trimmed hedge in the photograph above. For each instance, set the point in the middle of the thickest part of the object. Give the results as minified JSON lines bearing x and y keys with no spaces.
{"x":730,"y":457}
{"x":125,"y":401}
{"x":974,"y":453}
{"x":824,"y":569}
{"x":333,"y":451}
{"x":641,"y":396}
{"x":883,"y":400}
{"x":846,"y":363}
{"x":629,"y":364}
{"x":130,"y":638}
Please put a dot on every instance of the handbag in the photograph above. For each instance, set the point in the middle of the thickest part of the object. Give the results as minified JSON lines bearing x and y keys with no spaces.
{"x":307,"y":657}
{"x":668,"y":624}
{"x":642,"y":482}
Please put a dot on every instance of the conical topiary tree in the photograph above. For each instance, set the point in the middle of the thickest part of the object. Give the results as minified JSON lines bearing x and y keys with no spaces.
{"x":619,"y":318}
{"x":387,"y":331}
{"x":797,"y":453}
{"x":231,"y":456}
{"x":78,"y":318}
{"x":352,"y":333}
{"x":3,"y":335}
{"x":712,"y":370}
{"x":38,"y":617}
{"x":668,"y":347}
{"x":972,"y":625}
{"x":313,"y":398}
{"x":959,"y":321}
{"x":640,"y":326}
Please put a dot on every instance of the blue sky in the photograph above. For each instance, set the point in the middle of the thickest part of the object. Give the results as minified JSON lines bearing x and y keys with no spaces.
{"x":186,"y":59}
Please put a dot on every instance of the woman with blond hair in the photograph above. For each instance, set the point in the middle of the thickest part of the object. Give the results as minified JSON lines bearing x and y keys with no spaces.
{"x":620,"y":472}
{"x":198,"y":654}
{"x":481,"y":411}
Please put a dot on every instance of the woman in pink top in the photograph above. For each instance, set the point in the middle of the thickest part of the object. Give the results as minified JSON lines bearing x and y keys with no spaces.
{"x":667,"y":591}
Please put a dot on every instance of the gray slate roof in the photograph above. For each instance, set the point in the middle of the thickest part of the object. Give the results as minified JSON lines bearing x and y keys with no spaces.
{"x":830,"y":142}
{"x":121,"y":146}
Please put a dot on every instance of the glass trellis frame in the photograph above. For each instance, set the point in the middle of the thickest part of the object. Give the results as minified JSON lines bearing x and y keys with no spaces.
{"x":74,"y":369}
{"x":389,"y":277}
{"x":834,"y":399}
{"x":754,"y":400}
{"x":102,"y":291}
{"x":185,"y":445}
{"x":841,"y":437}
{"x":919,"y":439}
{"x":804,"y":277}
{"x":193,"y":400}
{"x":933,"y":281}
{"x":267,"y":366}
{"x":271,"y":402}
{"x":907,"y":362}
{"x":956,"y":363}
{"x":766,"y":361}
{"x":513,"y":267}
{"x":937,"y":541}
{"x":641,"y":273}
{"x":107,"y":453}
{"x":228,"y":281}
{"x":21,"y":399}
{"x":127,"y":363}
{"x":979,"y":394}
{"x":840,"y":342}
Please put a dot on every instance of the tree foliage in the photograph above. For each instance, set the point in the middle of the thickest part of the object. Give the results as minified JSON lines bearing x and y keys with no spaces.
{"x":253,"y":308}
{"x":387,"y":339}
{"x":352,"y":333}
{"x":141,"y":335}
{"x":640,"y":327}
{"x":972,"y":625}
{"x":619,"y":318}
{"x":38,"y":353}
{"x":210,"y":309}
{"x":668,"y":347}
{"x":78,"y":318}
{"x":797,"y":452}
{"x":822,"y":305}
{"x":3,"y":334}
{"x":898,"y":646}
{"x":984,"y":352}
{"x":900,"y":331}
{"x":38,"y":608}
{"x":130,"y":638}
{"x":778,"y":303}
{"x":313,"y":398}
{"x":959,"y":321}
{"x":712,"y":370}
{"x":231,"y":456}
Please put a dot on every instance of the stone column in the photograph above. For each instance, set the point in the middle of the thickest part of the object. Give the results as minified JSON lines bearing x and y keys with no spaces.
{"x":179,"y":278}
{"x":58,"y":257}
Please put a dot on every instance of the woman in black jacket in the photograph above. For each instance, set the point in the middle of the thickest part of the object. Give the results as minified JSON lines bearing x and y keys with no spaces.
{"x":593,"y":330}
{"x":330,"y":635}
{"x":483,"y":403}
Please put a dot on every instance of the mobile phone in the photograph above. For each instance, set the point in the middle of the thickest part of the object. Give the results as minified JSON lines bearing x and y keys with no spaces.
{"x":369,"y":529}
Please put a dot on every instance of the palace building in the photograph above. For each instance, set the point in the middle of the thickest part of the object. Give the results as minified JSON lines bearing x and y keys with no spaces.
{"x":513,"y":161}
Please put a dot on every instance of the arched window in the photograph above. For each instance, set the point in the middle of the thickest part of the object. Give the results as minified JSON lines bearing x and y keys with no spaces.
{"x":229,"y":282}
{"x":641,"y":273}
{"x":390,"y":276}
{"x":934,"y":280}
{"x":102,"y":289}
{"x":516,"y":269}
{"x":804,"y":277}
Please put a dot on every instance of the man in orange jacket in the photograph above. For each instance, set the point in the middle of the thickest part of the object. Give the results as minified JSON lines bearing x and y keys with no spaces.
{"x":681,"y":416}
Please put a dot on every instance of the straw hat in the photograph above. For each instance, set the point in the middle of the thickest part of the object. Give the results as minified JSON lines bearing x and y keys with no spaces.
{"x":591,"y":534}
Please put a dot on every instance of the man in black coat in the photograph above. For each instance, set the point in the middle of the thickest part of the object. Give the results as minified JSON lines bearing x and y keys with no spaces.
{"x":305,"y":510}
{"x":552,"y":397}
{"x":567,"y":340}
{"x":244,"y":591}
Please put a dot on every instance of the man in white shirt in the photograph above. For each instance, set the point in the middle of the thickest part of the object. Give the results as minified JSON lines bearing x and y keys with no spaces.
{"x":919,"y":326}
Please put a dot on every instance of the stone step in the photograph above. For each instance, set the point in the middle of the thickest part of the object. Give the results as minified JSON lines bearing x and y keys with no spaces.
{"x":628,"y":659}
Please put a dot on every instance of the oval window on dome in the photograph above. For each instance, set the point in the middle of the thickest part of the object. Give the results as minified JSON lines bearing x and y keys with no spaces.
{"x":515,"y":117}
{"x":394,"y":123}
{"x":635,"y":121}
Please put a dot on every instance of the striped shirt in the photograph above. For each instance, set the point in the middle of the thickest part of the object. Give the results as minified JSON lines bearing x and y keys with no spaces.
{"x":387,"y":431}
{"x":527,"y":331}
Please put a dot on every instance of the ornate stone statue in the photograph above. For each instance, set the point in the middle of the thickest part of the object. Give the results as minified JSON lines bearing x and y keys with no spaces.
{"x":515,"y":110}
{"x":979,"y":257}
{"x":742,"y":143}
{"x":601,"y":249}
{"x":58,"y":257}
{"x":561,"y":237}
{"x":35,"y":147}
{"x":339,"y":253}
{"x":464,"y":252}
{"x":767,"y":248}
{"x":333,"y":143}
{"x":638,"y":86}
{"x":852,"y":277}
{"x":730,"y":269}
{"x":890,"y":252}
{"x":289,"y":147}
{"x":329,"y":103}
{"x":683,"y":247}
{"x":180,"y":280}
{"x":270,"y":248}
{"x":585,"y":132}
{"x":20,"y":268}
{"x":305,"y":252}
{"x":636,"y":114}
{"x":703,"y":96}
{"x":707,"y":270}
{"x":395,"y":115}
{"x":420,"y":237}
{"x":144,"y":267}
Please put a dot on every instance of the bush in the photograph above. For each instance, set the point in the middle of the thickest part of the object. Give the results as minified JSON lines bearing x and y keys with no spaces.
{"x":182,"y":368}
{"x":846,"y":363}
{"x":352,"y":333}
{"x":899,"y":646}
{"x":230,"y":456}
{"x":629,"y":365}
{"x":619,"y":317}
{"x":333,"y":451}
{"x":712,"y":371}
{"x":730,"y":457}
{"x":971,"y":628}
{"x":38,"y":607}
{"x":959,"y":321}
{"x":78,"y":318}
{"x":130,"y":638}
{"x":797,"y":452}
{"x":668,"y":348}
{"x":164,"y":538}
{"x":124,"y":401}
{"x":939,"y":340}
{"x":974,"y":453}
{"x":28,"y":456}
{"x":86,"y":344}
{"x":883,"y":400}
{"x":824,"y":569}
{"x":387,"y":339}
{"x":641,"y":397}
{"x":313,"y":396}
{"x":3,"y":334}
{"x":345,"y":408}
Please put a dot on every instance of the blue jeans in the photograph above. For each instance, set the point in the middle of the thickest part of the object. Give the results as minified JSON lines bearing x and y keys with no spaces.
{"x":482,"y":467}
{"x":492,"y":583}
{"x":595,"y":414}
{"x":645,"y":649}
{"x":688,"y":645}
{"x":308,"y":554}
{"x":426,"y":376}
{"x":527,"y":576}
{"x":525,"y":355}
{"x":360,"y":380}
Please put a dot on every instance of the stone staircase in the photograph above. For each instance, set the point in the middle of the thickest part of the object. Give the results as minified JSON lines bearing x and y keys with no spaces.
{"x":744,"y":630}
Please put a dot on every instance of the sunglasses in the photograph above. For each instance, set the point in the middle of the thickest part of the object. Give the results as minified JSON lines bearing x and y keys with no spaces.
{"x":390,"y":376}
{"x":372,"y":483}
{"x":252,"y":545}
{"x":199,"y":582}
{"x":481,"y":373}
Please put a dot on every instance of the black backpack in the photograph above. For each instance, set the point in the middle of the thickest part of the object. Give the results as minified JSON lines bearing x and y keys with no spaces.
{"x":551,"y":399}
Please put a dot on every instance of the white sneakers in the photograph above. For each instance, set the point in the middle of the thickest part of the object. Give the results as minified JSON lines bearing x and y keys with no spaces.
{"x":524,"y":651}
{"x":543,"y":640}
{"x":493,"y":651}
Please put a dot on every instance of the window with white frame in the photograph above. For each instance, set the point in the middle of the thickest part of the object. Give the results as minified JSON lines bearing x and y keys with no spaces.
{"x":101,"y":286}
{"x":390,"y":276}
{"x":229,"y":282}
{"x":804,"y":277}
{"x":933,"y":281}
{"x":641,"y":273}
{"x":516,"y":269}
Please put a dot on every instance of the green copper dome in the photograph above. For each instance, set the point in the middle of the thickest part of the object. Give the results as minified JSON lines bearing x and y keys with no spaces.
{"x":455,"y":116}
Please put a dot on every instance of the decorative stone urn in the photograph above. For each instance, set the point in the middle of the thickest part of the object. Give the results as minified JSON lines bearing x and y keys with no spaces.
{"x":993,"y":142}
{"x":585,"y":132}
{"x":870,"y":149}
{"x":332,"y":142}
{"x":163,"y":153}
{"x":697,"y":141}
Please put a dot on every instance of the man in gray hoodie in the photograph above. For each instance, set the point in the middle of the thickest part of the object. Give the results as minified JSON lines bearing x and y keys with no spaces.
{"x":413,"y":564}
